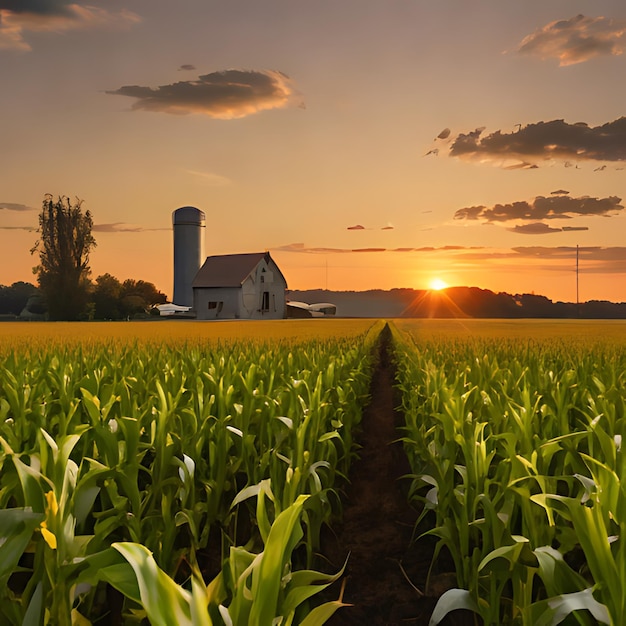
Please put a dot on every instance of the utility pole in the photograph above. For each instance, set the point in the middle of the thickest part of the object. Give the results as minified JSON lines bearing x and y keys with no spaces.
{"x":326,"y":259}
{"x":577,"y":300}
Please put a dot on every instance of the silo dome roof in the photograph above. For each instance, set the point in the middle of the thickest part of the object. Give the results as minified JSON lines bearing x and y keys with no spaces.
{"x":188,"y":215}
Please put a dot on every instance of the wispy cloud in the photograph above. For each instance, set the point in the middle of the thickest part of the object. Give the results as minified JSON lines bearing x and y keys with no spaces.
{"x":123,"y":227}
{"x":304,"y":249}
{"x":543,"y":142}
{"x":187,"y":67}
{"x":594,"y":259}
{"x":576,"y":40}
{"x":210,"y":178}
{"x":18,"y":17}
{"x":30,"y":229}
{"x":12,"y":206}
{"x":226,"y":95}
{"x":559,"y":206}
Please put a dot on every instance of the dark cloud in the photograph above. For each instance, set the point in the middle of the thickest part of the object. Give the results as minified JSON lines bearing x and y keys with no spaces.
{"x":542,"y":208}
{"x":187,"y":67}
{"x":123,"y":227}
{"x":361,"y":227}
{"x":470,"y":212}
{"x":20,"y":16}
{"x":544,"y":141}
{"x":30,"y":229}
{"x":37,"y":7}
{"x":523,"y":165}
{"x":444,"y":134}
{"x":12,"y":206}
{"x":227,"y":94}
{"x":576,"y":40}
{"x":539,"y":228}
{"x":559,"y":192}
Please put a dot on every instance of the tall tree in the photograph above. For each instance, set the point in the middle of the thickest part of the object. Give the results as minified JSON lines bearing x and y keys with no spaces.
{"x":64,"y":244}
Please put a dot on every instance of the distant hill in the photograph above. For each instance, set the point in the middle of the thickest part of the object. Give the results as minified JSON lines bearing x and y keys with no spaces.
{"x":456,"y":302}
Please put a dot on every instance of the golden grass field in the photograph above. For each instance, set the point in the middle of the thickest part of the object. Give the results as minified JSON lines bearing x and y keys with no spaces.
{"x":579,"y":333}
{"x":42,"y":335}
{"x":15,"y":335}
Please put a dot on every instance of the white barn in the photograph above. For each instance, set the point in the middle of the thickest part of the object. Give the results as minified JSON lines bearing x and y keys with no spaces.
{"x":239,"y":286}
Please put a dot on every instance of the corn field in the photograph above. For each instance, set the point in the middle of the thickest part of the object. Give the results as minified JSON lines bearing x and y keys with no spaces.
{"x":126,"y":464}
{"x":182,"y":473}
{"x":516,"y":450}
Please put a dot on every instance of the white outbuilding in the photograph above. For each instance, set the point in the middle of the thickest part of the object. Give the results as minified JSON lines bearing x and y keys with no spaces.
{"x":239,"y":286}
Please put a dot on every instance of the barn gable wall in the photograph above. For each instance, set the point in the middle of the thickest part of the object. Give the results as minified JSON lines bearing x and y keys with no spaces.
{"x":260,"y":296}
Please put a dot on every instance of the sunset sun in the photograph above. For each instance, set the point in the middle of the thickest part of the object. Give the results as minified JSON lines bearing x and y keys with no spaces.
{"x":436,"y":284}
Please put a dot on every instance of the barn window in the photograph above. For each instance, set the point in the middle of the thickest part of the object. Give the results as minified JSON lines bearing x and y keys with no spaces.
{"x":265,"y":302}
{"x":215,"y":305}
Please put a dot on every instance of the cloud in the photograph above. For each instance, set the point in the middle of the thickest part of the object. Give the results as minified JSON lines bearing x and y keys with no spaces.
{"x":30,"y":229}
{"x":559,"y":192}
{"x":187,"y":67}
{"x":20,"y":16}
{"x":225,"y":95}
{"x":615,"y":253}
{"x":123,"y":227}
{"x":593,"y":259}
{"x":539,"y":228}
{"x":214,"y":180}
{"x":361,"y":227}
{"x":12,"y":206}
{"x":543,"y":142}
{"x":543,"y":208}
{"x":304,"y":249}
{"x":575,"y":40}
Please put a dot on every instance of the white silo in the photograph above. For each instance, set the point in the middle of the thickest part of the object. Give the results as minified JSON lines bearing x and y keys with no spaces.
{"x":189,"y":224}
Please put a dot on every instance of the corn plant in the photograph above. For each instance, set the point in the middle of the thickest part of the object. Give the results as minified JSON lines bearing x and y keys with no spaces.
{"x":114,"y":443}
{"x":501,"y":435}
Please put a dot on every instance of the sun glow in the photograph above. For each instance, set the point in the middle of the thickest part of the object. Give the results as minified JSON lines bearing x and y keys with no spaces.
{"x":436,"y":284}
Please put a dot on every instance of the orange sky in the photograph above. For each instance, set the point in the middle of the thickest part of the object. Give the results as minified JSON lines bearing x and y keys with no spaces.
{"x":475,"y":142}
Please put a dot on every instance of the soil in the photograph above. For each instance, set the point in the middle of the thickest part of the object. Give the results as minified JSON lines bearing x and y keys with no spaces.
{"x":387,"y":569}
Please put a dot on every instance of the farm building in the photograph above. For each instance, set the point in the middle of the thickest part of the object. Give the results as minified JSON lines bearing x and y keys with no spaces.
{"x":239,"y":286}
{"x":303,"y":309}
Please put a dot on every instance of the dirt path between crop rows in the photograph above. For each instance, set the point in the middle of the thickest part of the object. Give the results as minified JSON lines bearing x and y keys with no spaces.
{"x":384,"y":565}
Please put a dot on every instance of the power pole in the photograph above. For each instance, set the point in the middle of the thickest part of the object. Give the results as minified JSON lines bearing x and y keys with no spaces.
{"x":577,"y":300}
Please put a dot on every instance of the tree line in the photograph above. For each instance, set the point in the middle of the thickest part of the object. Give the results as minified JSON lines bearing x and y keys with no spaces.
{"x":107,"y":299}
{"x":64,"y":288}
